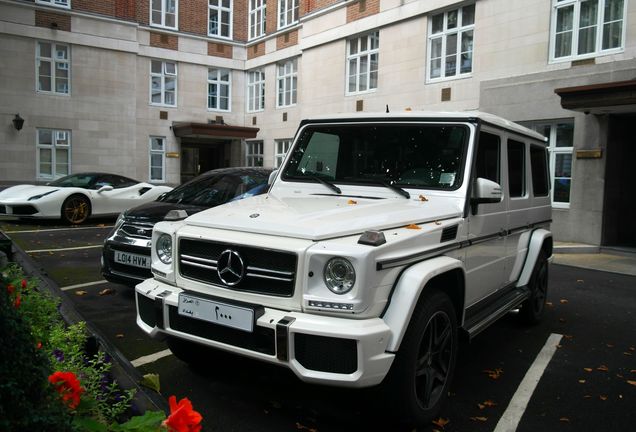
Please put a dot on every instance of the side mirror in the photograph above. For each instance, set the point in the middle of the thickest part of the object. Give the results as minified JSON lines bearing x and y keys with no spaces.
{"x":485,"y":192}
{"x":272,"y":177}
{"x":105,"y":188}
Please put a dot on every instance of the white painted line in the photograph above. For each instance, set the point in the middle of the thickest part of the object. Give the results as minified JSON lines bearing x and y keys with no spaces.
{"x":58,"y":229}
{"x":517,"y":406}
{"x":151,"y":358}
{"x":65,"y":249}
{"x":83,"y":285}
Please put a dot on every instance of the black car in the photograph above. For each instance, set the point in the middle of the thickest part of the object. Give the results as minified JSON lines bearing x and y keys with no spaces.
{"x":126,"y":253}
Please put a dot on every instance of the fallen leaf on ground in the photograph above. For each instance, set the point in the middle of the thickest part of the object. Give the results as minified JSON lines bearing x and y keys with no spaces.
{"x":481,"y":419}
{"x":493,"y":374}
{"x":549,"y":304}
{"x":151,"y":381}
{"x":563,"y":301}
{"x":567,"y":336}
{"x":602,"y":368}
{"x":580,"y":280}
{"x":610,"y":345}
{"x":562,"y":320}
{"x":119,"y":335}
{"x":489,"y":403}
{"x":80,"y":293}
{"x":631,"y":382}
{"x":627,"y":353}
{"x":632,"y":371}
{"x":587,"y":396}
{"x":619,"y":376}
{"x":582,"y":381}
{"x":106,"y":291}
{"x":632,"y":349}
{"x":587,"y":369}
{"x":602,"y":397}
{"x":559,"y":346}
{"x":564,"y":419}
{"x":303,"y":427}
{"x":441,"y":422}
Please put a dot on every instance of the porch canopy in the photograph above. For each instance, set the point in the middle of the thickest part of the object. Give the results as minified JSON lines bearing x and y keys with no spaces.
{"x":605,"y":98}
{"x":212,"y":130}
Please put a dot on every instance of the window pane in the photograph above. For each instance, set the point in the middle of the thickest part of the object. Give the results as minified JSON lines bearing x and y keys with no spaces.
{"x":156,"y":90}
{"x":468,"y":15}
{"x":564,"y":135}
{"x":171,"y":68}
{"x":45,"y":137}
{"x":61,"y":52}
{"x":613,"y":10}
{"x":563,"y":45}
{"x":562,"y":190}
{"x":46,"y":156}
{"x":589,"y":13}
{"x":156,"y":143}
{"x":565,"y":18}
{"x":452,"y":19}
{"x":61,"y":162}
{"x":436,"y":68}
{"x":563,"y":165}
{"x":45,"y":49}
{"x":156,"y":160}
{"x":437,"y":24}
{"x":612,"y":35}
{"x":539,"y":171}
{"x":587,"y":40}
{"x":156,"y":67}
{"x":516,"y":172}
{"x":155,"y":174}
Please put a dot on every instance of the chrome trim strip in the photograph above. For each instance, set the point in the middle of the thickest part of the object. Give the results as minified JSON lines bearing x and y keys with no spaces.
{"x":268,"y":277}
{"x":194,"y":264}
{"x":250,"y":268}
{"x":199,"y":259}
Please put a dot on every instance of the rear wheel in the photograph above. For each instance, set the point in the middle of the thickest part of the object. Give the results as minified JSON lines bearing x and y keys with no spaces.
{"x":532,"y":309}
{"x":76,"y":209}
{"x":423,"y":368}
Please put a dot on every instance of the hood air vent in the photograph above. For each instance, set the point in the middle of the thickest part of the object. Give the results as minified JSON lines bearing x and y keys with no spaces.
{"x":449,"y":233}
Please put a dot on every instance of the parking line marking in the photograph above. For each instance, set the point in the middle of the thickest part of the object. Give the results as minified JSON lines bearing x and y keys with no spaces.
{"x":517,"y":406}
{"x":83,"y":285}
{"x":57,"y":229}
{"x":65,"y":249}
{"x":151,"y":358}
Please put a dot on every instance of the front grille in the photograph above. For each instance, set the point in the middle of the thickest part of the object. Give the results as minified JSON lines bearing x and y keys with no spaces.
{"x":25,"y":210}
{"x":146,"y":309}
{"x":260,"y":340}
{"x":139,"y":272}
{"x":136,"y":230}
{"x":264,"y":271}
{"x":326,"y":354}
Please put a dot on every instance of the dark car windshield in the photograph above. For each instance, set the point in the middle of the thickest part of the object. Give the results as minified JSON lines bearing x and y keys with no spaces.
{"x":408,"y":155}
{"x":93,"y":181}
{"x":216,"y":189}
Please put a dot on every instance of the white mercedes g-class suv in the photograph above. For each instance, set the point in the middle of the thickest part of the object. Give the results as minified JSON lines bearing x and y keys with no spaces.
{"x":383,"y":239}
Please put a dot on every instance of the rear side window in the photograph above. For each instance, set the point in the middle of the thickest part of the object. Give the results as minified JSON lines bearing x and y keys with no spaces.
{"x":488,"y":157}
{"x":539,"y":166}
{"x":516,"y":171}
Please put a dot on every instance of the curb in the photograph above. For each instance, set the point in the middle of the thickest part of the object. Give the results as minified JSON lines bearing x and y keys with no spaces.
{"x":123,"y":370}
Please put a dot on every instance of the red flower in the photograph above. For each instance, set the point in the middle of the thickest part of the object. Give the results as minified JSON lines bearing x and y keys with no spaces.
{"x":10,"y":288}
{"x":39,"y":345}
{"x":23,"y":283}
{"x":182,"y":417}
{"x":68,"y":386}
{"x":16,"y":302}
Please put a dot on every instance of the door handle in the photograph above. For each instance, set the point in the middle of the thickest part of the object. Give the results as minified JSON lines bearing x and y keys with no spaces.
{"x":503,"y":232}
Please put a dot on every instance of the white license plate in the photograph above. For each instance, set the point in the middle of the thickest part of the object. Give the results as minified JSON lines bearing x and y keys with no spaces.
{"x":219,"y":313}
{"x":132,"y":259}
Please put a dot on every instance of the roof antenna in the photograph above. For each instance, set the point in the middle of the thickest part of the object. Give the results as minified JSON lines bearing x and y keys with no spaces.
{"x":387,"y":108}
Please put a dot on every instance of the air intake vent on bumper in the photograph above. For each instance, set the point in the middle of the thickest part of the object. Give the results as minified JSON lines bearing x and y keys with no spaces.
{"x":449,"y":233}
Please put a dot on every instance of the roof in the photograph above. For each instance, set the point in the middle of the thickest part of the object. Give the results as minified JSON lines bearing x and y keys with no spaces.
{"x":463,"y":116}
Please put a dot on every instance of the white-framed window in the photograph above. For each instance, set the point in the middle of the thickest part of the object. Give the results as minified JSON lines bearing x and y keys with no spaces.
{"x":220,"y":18}
{"x":164,"y":13}
{"x":362,"y":63}
{"x":287,"y":79}
{"x":586,"y":28}
{"x":254,"y":153}
{"x":66,"y":4}
{"x":163,"y":83}
{"x":53,"y":153}
{"x":281,"y":149}
{"x":287,"y":13}
{"x":257,"y":18}
{"x":157,"y":159}
{"x":219,"y":89}
{"x":53,"y":67}
{"x":255,"y":90}
{"x":560,"y":134}
{"x":450,"y":43}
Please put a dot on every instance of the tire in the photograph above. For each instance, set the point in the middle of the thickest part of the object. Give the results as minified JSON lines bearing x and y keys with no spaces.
{"x":532,"y":309}
{"x":424,"y":365}
{"x":76,"y":209}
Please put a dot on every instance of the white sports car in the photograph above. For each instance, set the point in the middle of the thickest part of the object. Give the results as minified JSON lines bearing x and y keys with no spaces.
{"x":76,"y":197}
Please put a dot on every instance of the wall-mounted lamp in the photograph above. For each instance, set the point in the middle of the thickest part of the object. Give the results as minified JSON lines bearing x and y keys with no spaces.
{"x":18,"y":122}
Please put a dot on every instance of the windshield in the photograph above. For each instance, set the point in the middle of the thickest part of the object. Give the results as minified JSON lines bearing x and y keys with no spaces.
{"x":408,"y":155}
{"x":75,"y":180}
{"x":212,"y":190}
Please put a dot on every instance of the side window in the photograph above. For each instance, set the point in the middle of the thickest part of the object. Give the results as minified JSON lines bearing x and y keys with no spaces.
{"x":539,"y":166}
{"x":516,"y":168}
{"x":488,"y":157}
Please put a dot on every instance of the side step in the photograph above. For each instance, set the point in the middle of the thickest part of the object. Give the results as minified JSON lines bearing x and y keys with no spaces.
{"x":491,"y":313}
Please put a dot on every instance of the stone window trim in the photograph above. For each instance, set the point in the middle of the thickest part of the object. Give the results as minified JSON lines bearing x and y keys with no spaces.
{"x":163,"y":80}
{"x":219,"y":89}
{"x":287,"y":83}
{"x":62,"y":4}
{"x":164,"y":14}
{"x":157,"y":159}
{"x":363,"y":63}
{"x":53,"y":149}
{"x":221,"y":9}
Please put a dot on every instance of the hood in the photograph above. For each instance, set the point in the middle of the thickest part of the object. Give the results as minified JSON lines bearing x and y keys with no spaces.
{"x":155,"y":211}
{"x":323,"y":217}
{"x":24,"y":192}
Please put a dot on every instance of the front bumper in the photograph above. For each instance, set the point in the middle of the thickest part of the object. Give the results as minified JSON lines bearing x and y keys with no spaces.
{"x":318,"y":349}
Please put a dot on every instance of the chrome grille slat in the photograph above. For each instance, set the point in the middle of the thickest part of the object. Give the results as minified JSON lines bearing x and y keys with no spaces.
{"x":262,"y":276}
{"x":199,"y":259}
{"x":209,"y":267}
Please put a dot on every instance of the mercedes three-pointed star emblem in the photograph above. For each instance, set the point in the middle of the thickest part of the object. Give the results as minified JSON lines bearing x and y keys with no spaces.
{"x":230,"y":267}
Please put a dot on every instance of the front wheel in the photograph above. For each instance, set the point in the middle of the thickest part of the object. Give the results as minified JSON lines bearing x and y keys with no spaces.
{"x":76,"y":209}
{"x":423,"y":368}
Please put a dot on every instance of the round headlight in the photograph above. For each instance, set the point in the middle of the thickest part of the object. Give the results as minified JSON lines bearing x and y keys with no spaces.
{"x":164,"y":248}
{"x":339,"y":275}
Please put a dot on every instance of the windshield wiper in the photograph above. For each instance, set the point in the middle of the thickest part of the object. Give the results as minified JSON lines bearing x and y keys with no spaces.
{"x":388,"y":185}
{"x":330,"y":185}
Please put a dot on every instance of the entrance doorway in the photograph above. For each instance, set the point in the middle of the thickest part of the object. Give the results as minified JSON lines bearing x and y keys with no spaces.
{"x":197,"y":158}
{"x":619,"y":207}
